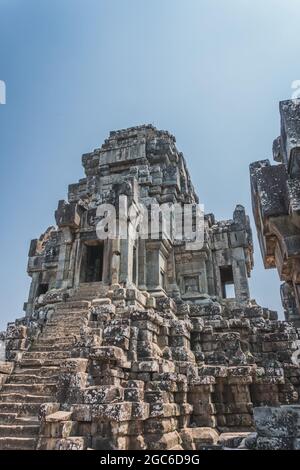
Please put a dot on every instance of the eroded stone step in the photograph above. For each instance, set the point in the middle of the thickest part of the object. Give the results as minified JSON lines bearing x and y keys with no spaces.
{"x":17,"y":443}
{"x":14,"y":418}
{"x":52,"y":347}
{"x":61,"y":330}
{"x":24,"y":398}
{"x":54,"y":340}
{"x":66,"y":321}
{"x":59,"y":327}
{"x":21,"y":409}
{"x":12,"y":430}
{"x":37,"y":371}
{"x":42,"y":362}
{"x":87,"y":294}
{"x":73,"y":304}
{"x":68,"y":315}
{"x":37,"y":388}
{"x":45,"y":355}
{"x":7,"y":418}
{"x":32,"y":379}
{"x":61,"y":322}
{"x":24,"y":420}
{"x":71,"y":336}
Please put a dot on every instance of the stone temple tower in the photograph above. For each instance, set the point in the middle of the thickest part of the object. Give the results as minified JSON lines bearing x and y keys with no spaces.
{"x":147,"y":339}
{"x":143,"y":164}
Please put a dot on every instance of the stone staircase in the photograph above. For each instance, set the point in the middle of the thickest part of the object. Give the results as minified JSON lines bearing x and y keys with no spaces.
{"x":34,"y":379}
{"x":90,"y":290}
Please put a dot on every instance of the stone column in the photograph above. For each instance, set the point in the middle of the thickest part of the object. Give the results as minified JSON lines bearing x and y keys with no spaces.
{"x":35,"y":279}
{"x":64,"y":258}
{"x":240,"y":275}
{"x":142,"y":266}
{"x":78,"y":259}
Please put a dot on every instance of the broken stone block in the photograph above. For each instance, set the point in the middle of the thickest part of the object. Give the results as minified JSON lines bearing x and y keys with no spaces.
{"x":82,"y":412}
{"x":162,"y":442}
{"x":232,"y":439}
{"x":276,"y":422}
{"x":274,"y":443}
{"x":103,"y":394}
{"x":204,"y":437}
{"x":112,"y":412}
{"x":58,"y":416}
{"x":6,"y":367}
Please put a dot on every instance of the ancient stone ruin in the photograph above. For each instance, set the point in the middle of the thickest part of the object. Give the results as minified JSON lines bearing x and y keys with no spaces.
{"x":276,"y":208}
{"x":140,"y":342}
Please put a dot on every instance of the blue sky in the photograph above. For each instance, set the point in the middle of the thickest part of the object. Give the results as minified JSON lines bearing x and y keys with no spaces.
{"x":210,"y":71}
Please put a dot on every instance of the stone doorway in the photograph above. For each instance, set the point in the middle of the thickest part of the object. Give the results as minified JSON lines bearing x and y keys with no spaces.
{"x":227,"y":282}
{"x":92,"y":263}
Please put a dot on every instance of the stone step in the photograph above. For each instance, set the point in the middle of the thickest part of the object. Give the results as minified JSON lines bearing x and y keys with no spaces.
{"x":37,"y":388}
{"x":68,"y":319}
{"x":21,"y":409}
{"x":87,"y":290}
{"x":60,"y":326}
{"x":86,"y":294}
{"x":14,"y":418}
{"x":45,"y":355}
{"x":100,"y":291}
{"x":62,"y":331}
{"x":66,"y":323}
{"x":52,"y":347}
{"x":24,"y":398}
{"x":63,"y":325}
{"x":42,"y":362}
{"x":72,"y":305}
{"x":12,"y":430}
{"x":17,"y":443}
{"x":92,"y":296}
{"x":37,"y":371}
{"x":32,"y":379}
{"x":6,"y":418}
{"x":90,"y":286}
{"x":67,"y":335}
{"x":84,"y":288}
{"x":72,"y":336}
{"x":68,"y":314}
{"x":53,"y":341}
{"x":33,"y":420}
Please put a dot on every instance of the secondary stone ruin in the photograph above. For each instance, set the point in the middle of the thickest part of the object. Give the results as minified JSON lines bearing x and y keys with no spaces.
{"x":276,"y":208}
{"x":139,"y":342}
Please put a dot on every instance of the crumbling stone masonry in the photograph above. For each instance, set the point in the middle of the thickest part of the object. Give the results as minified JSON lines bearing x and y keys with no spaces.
{"x":137,"y":343}
{"x":276,"y":201}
